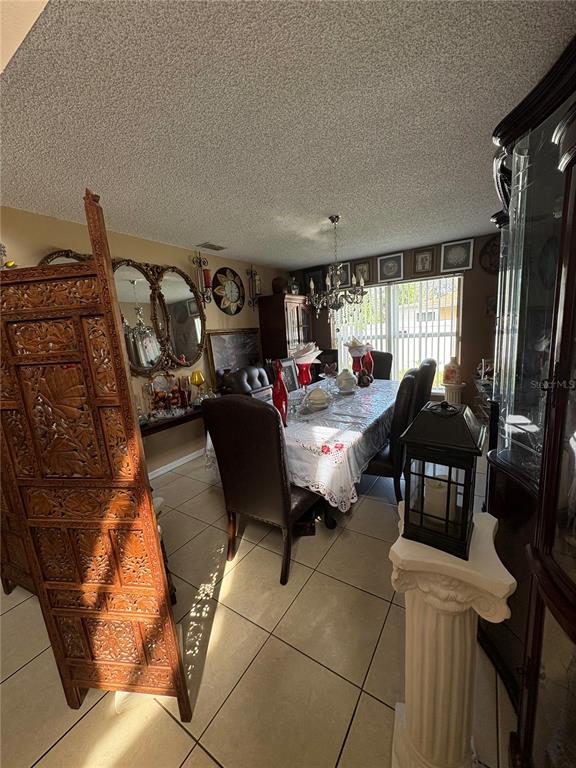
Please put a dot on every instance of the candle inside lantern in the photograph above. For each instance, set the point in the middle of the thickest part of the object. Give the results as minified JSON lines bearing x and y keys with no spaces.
{"x":435,"y":492}
{"x":207,"y":274}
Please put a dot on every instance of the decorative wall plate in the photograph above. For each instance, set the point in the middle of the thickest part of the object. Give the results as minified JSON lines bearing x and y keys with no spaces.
{"x":228,"y":291}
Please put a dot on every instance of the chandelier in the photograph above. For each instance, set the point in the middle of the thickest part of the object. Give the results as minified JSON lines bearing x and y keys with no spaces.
{"x":334,"y":297}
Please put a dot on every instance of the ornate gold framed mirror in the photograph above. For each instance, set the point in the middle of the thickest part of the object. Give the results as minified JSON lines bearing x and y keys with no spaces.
{"x":162,"y":313}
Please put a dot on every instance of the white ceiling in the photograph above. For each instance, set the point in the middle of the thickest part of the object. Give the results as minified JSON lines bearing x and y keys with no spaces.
{"x":246,"y":124}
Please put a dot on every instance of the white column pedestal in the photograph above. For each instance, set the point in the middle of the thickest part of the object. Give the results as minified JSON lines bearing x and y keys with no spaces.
{"x":453,"y":392}
{"x":444,"y":597}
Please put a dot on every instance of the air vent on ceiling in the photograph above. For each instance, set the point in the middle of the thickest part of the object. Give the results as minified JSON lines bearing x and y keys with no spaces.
{"x":211,"y":246}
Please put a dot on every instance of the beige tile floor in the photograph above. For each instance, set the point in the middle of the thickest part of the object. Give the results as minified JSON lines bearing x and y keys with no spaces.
{"x":301,"y":676}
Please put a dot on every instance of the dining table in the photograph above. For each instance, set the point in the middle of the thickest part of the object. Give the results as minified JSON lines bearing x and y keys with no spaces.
{"x":327,"y":450}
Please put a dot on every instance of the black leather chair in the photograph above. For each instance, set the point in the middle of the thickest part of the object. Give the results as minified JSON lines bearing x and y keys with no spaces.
{"x":382,"y":364}
{"x":423,"y":389}
{"x":326,"y":357}
{"x":248,"y":439}
{"x":389,"y":462}
{"x":250,"y":380}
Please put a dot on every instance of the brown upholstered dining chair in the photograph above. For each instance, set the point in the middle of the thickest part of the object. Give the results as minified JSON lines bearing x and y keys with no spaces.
{"x":248,"y":439}
{"x":389,"y":462}
{"x":423,"y":389}
{"x":382,"y":364}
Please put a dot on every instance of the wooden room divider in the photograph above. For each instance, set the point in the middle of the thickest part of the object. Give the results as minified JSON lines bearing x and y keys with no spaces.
{"x":80,"y":528}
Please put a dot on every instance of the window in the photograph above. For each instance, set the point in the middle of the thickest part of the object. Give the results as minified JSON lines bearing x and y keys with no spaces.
{"x":412,"y":320}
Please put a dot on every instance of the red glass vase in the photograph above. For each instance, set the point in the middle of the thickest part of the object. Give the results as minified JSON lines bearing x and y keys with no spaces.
{"x":304,"y":374}
{"x":368,"y":363}
{"x":356,"y":363}
{"x":280,"y":393}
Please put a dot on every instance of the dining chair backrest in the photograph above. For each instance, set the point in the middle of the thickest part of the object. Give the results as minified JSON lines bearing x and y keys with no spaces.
{"x":248,"y":439}
{"x":244,"y":381}
{"x":424,"y":379}
{"x":401,"y":418}
{"x":382,"y":364}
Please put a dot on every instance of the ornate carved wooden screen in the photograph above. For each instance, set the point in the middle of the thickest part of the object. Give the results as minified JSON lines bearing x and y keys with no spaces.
{"x":75,"y":479}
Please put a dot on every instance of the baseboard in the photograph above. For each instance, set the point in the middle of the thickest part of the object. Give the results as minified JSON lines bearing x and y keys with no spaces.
{"x":176,"y":463}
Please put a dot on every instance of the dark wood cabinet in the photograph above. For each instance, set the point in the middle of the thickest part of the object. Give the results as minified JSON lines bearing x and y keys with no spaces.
{"x":532,"y":472}
{"x":285,"y":322}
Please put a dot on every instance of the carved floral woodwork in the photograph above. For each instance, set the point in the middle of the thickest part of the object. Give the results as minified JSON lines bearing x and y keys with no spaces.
{"x":78,"y":525}
{"x":50,"y":295}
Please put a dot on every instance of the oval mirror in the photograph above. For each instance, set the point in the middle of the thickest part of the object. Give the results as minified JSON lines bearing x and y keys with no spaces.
{"x":63,"y":257}
{"x":139,"y":317}
{"x":185,"y":315}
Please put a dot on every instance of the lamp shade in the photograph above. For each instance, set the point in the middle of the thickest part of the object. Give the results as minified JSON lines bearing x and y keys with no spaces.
{"x":197,"y":378}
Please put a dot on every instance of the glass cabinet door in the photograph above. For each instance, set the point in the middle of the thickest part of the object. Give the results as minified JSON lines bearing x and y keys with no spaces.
{"x":564,"y":547}
{"x":555,"y":723}
{"x":527,"y":294}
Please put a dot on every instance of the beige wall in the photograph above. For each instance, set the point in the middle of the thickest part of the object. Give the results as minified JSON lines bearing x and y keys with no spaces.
{"x":28,"y":237}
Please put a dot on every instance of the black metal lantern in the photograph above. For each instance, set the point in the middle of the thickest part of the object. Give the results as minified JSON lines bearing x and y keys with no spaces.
{"x":442,"y":444}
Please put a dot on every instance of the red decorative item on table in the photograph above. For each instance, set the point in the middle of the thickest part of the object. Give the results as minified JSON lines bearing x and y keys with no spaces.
{"x":356,"y":364}
{"x":304,"y":375}
{"x":368,"y":363}
{"x":280,"y":393}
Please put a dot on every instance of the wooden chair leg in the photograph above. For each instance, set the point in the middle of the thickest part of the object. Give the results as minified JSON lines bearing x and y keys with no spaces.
{"x":329,"y":521}
{"x":397,"y":488}
{"x":7,"y":585}
{"x":287,"y":537}
{"x":231,"y":535}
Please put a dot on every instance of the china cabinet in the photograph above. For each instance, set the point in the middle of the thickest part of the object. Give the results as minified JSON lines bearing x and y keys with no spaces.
{"x":532,"y":488}
{"x":285,"y":322}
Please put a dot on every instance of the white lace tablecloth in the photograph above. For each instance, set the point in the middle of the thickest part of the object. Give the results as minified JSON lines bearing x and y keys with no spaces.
{"x":327,"y":451}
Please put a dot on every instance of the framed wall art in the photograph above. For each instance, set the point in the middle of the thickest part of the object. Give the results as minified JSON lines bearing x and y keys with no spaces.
{"x":232,"y":349}
{"x":456,"y":256}
{"x":317,"y":275}
{"x":423,"y":261}
{"x":345,"y":275}
{"x":390,"y":267}
{"x":362,"y":270}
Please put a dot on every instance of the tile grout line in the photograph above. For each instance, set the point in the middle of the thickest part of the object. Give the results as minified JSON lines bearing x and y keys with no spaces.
{"x":362,"y":686}
{"x":232,"y":690}
{"x":17,"y":605}
{"x":48,"y":647}
{"x":42,"y":756}
{"x":259,"y":651}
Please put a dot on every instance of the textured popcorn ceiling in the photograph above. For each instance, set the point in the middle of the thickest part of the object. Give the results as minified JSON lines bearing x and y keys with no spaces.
{"x":246,"y":124}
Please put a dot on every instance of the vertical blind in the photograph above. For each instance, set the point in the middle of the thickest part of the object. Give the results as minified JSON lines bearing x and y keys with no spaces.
{"x":413,"y":320}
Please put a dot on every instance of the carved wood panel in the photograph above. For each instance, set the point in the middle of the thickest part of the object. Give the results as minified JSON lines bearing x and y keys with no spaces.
{"x":77,"y":517}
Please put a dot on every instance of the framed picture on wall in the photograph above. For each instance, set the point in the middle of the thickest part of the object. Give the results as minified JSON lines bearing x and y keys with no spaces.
{"x":362,"y":270}
{"x":390,"y":267}
{"x":317,"y":276}
{"x":345,"y":275}
{"x":456,"y":256}
{"x":423,"y":261}
{"x":232,"y":349}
